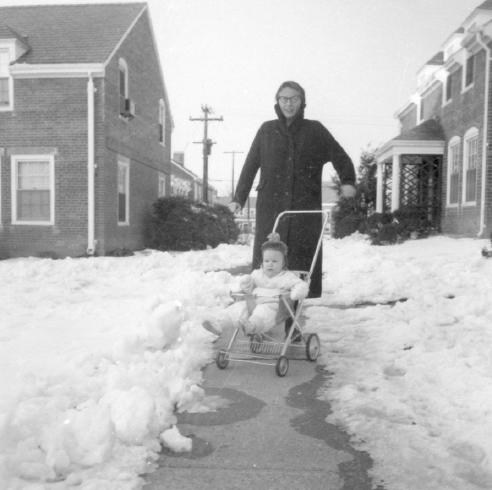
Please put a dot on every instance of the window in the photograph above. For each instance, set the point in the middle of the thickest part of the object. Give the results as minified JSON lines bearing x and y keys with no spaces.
{"x":448,"y":94}
{"x":123,"y":190}
{"x":470,"y":166}
{"x":453,"y":171}
{"x":5,"y":80}
{"x":162,"y":122}
{"x":470,"y":71}
{"x":162,"y":186}
{"x":33,"y":187}
{"x":123,"y":84}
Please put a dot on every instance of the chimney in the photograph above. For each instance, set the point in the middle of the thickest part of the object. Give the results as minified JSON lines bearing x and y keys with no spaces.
{"x":179,"y":157}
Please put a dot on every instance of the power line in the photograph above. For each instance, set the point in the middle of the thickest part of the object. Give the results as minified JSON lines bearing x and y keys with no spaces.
{"x":233,"y":153}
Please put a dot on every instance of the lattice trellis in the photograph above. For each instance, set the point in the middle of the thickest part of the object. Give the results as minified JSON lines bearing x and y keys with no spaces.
{"x":420,"y":185}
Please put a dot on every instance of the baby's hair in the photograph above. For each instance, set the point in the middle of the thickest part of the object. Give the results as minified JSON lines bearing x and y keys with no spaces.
{"x":277,"y":245}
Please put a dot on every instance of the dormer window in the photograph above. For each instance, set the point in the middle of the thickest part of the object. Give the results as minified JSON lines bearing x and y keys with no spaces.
{"x":469,"y":71}
{"x":448,"y":93}
{"x":5,"y":80}
{"x":453,"y":44}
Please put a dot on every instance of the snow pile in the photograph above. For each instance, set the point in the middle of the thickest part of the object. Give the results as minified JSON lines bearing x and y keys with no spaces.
{"x":412,"y":382}
{"x":96,"y":355}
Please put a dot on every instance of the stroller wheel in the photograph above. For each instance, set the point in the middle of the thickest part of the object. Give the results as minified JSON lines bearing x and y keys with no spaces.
{"x":282,"y":366}
{"x":222,"y":360}
{"x":255,"y":343}
{"x":312,"y":347}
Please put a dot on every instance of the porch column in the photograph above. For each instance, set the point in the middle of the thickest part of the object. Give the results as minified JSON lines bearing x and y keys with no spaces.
{"x":395,"y":184}
{"x":379,"y":188}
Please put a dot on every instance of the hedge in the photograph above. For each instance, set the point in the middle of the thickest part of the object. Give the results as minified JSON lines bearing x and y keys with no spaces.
{"x":176,"y":223}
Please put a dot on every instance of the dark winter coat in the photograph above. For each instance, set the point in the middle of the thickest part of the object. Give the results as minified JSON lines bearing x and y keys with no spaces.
{"x":290,"y":160}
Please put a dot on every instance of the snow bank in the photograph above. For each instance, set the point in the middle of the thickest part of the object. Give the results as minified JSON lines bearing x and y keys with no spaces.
{"x":96,"y":355}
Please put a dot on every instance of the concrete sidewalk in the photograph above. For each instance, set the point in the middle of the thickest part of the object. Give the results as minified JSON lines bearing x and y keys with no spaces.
{"x":264,"y":432}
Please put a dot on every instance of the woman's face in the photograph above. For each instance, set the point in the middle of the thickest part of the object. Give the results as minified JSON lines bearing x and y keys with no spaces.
{"x":289,"y":101}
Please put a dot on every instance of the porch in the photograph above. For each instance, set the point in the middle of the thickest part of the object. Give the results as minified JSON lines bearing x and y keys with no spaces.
{"x":409,"y":173}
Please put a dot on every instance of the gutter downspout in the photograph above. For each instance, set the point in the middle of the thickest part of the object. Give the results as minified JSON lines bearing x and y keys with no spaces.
{"x":91,"y":244}
{"x":480,"y":40}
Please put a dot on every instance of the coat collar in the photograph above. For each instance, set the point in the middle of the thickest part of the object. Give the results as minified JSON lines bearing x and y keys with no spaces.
{"x":294,"y":126}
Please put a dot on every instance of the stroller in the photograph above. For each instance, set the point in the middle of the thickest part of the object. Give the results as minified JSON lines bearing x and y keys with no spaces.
{"x":263,"y":349}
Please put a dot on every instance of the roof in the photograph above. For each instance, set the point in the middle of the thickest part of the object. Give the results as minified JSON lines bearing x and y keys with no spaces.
{"x":437,"y":59}
{"x":80,"y":33}
{"x":487,"y":5}
{"x":184,"y":169}
{"x":429,"y":130}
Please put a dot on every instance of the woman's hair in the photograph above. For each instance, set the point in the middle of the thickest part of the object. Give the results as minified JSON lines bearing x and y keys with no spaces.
{"x":277,"y":245}
{"x":293,"y":86}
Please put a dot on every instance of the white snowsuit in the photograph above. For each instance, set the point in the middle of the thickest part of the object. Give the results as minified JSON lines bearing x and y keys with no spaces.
{"x":263,"y":314}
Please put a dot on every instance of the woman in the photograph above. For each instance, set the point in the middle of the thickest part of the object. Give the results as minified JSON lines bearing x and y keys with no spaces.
{"x":290,"y":153}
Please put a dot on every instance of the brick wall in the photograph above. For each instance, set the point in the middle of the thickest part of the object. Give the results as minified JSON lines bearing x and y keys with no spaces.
{"x":136,"y":139}
{"x":464,"y":111}
{"x":50,"y":116}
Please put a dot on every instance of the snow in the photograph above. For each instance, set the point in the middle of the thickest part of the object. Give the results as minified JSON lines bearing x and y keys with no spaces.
{"x":98,"y":354}
{"x":412,"y":381}
{"x":95,"y":357}
{"x":175,"y":441}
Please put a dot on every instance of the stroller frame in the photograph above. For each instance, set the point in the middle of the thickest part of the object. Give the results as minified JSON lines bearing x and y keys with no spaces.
{"x":263,"y":349}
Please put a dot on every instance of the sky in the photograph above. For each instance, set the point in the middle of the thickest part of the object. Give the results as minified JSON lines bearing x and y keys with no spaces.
{"x":356,"y":59}
{"x":97,"y":353}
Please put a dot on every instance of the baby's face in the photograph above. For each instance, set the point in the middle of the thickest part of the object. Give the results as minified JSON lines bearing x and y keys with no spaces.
{"x":273,"y":262}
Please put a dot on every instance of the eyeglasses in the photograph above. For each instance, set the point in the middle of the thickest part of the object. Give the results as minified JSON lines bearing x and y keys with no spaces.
{"x":294,"y":99}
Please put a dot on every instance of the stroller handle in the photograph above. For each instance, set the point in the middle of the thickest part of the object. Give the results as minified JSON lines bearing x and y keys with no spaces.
{"x":325,"y":215}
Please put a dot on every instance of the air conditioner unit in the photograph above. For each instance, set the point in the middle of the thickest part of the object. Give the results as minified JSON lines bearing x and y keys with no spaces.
{"x":129,"y":109}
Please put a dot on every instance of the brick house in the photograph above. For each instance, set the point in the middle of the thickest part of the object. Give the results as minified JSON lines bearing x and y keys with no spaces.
{"x":85,"y":128}
{"x":441,"y":163}
{"x":186,"y":183}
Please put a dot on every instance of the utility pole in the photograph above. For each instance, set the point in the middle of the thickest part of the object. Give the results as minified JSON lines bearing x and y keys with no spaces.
{"x":207,"y":144}
{"x":233,"y":153}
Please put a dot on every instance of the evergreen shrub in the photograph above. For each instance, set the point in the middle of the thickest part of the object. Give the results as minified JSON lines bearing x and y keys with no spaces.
{"x":348,"y":217}
{"x":412,"y":222}
{"x":382,"y":228}
{"x":177,"y":223}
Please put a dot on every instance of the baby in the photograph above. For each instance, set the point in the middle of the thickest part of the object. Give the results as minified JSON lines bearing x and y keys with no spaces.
{"x":259,"y":313}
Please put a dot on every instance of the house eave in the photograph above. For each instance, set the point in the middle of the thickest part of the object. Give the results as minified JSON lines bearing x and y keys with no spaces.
{"x":410,"y":147}
{"x":55,"y":70}
{"x":184,"y":169}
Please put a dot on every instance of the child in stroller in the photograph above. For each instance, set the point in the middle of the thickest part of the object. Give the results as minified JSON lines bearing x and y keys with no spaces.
{"x":259,"y":312}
